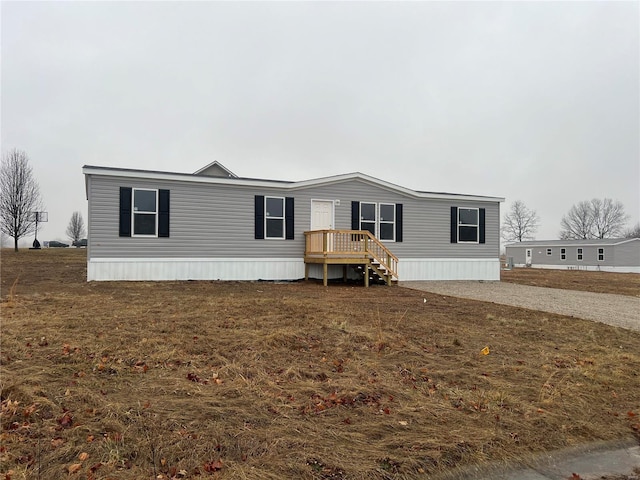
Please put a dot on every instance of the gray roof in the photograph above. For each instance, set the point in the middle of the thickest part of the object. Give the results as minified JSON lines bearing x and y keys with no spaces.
{"x":155,"y":174}
{"x":564,"y":243}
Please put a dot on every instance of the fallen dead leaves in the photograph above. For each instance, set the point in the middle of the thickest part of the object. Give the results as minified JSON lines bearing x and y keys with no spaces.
{"x":294,"y":381}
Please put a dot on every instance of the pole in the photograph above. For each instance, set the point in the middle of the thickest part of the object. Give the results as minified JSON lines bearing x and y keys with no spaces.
{"x":36,"y":243}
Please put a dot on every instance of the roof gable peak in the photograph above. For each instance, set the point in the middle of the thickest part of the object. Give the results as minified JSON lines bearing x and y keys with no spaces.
{"x":215,"y":169}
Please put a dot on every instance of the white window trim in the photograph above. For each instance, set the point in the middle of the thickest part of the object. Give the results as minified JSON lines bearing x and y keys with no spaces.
{"x":601,"y":254}
{"x":563,"y":254}
{"x":273,"y":217}
{"x":377,"y":221}
{"x":549,"y":252}
{"x":374,"y":221}
{"x":579,"y":254}
{"x":476,"y":225}
{"x":380,"y":221}
{"x":134,"y":213}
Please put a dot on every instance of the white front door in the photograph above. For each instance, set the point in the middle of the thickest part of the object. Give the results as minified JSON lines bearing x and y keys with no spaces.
{"x":527,"y":259}
{"x":321,"y":215}
{"x":322,"y":219}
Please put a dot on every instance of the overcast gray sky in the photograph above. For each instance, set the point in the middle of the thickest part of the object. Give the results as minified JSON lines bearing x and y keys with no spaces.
{"x":536,"y":101}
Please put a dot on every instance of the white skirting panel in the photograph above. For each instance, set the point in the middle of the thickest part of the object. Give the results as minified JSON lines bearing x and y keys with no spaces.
{"x":591,"y":268}
{"x":104,"y":269}
{"x":195,"y":269}
{"x":449,"y":269}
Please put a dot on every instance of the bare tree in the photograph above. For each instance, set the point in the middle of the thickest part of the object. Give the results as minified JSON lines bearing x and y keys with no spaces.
{"x":520,"y":223}
{"x":19,"y":196}
{"x":75,"y":229}
{"x":609,"y":218}
{"x":633,"y":232}
{"x":593,"y":219}
{"x":577,"y":224}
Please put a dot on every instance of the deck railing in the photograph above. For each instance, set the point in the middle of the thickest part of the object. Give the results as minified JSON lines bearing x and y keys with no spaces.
{"x":350,"y":244}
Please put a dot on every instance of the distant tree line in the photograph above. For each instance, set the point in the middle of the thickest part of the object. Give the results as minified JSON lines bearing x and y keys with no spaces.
{"x":596,"y":218}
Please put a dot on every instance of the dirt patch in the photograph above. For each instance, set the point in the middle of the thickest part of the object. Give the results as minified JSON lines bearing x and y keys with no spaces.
{"x":136,"y":380}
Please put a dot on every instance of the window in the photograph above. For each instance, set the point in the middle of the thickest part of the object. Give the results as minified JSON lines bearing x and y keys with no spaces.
{"x":274,"y":217}
{"x":368,"y":217}
{"x":379,"y":219}
{"x":387,"y":221}
{"x":468,"y":225}
{"x":383,"y":220}
{"x":144,"y":212}
{"x":563,"y":254}
{"x":601,"y":254}
{"x":549,"y":251}
{"x":579,"y":254}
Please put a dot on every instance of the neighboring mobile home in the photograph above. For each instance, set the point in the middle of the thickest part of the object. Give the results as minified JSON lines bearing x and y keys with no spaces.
{"x":150,"y":225}
{"x":612,"y":255}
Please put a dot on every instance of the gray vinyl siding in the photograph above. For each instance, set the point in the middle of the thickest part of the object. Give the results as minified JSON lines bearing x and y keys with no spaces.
{"x":589,"y":256}
{"x":517,"y":253}
{"x":217,"y":221}
{"x":620,"y":255}
{"x":627,"y":254}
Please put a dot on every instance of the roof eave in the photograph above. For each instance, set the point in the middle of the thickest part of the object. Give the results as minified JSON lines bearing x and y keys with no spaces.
{"x":185,"y":177}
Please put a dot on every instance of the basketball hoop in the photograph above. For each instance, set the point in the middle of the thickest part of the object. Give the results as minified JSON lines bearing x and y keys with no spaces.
{"x":38,"y":217}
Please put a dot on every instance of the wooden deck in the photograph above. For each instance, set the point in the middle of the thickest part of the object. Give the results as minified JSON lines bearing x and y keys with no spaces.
{"x":349,"y":247}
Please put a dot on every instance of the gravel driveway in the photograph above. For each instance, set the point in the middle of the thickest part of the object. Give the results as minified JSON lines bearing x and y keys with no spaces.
{"x":618,"y":310}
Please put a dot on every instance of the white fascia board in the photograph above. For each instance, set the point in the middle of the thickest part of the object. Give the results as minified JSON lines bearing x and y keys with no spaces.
{"x":389,"y":186}
{"x":181,"y":177}
{"x":627,"y":240}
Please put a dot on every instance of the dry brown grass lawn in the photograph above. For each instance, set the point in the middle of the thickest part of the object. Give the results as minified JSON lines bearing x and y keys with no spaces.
{"x":599,"y":282}
{"x":142,"y":380}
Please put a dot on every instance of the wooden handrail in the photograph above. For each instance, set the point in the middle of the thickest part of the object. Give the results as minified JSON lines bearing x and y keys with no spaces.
{"x":334,"y":243}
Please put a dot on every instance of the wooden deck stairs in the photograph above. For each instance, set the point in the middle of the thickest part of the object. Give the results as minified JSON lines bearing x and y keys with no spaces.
{"x":357,"y":248}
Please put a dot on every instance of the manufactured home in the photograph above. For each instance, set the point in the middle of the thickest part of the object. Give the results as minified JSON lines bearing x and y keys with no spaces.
{"x":212,"y":224}
{"x":613,"y":254}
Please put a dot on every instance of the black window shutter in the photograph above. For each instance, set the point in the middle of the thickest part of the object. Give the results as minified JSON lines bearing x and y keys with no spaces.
{"x":125,"y":212}
{"x":398,"y":222}
{"x":288,"y":218}
{"x":454,"y":224}
{"x":481,"y":213}
{"x":163,"y":213}
{"x":259,"y":214}
{"x":355,"y":215}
